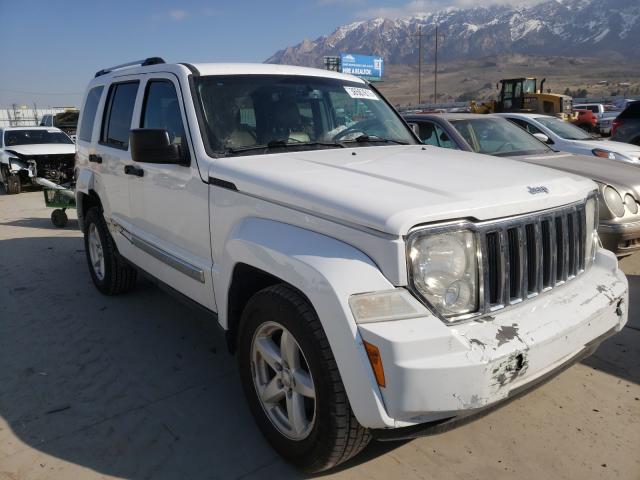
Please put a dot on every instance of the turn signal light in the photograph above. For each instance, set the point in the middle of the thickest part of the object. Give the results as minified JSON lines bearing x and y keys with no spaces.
{"x":375,"y":359}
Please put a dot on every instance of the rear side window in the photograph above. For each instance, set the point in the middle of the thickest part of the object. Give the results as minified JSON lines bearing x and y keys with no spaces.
{"x":433,"y":134}
{"x":117,"y":118}
{"x":89,"y":113}
{"x":632,"y":111}
{"x":162,"y":110}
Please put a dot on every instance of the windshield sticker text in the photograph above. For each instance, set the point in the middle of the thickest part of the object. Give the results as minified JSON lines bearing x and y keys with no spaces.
{"x":355,"y":92}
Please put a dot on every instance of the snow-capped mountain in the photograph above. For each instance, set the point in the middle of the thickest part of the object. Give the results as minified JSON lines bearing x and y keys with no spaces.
{"x":554,"y":27}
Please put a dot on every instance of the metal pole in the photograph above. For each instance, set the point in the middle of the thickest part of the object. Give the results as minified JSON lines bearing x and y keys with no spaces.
{"x":419,"y":35}
{"x":435,"y":71}
{"x":435,"y":80}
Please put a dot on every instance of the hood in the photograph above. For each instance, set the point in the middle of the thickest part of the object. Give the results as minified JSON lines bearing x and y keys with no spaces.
{"x":624,"y":177}
{"x":393,"y":188}
{"x":42,"y":149}
{"x":624,"y":148}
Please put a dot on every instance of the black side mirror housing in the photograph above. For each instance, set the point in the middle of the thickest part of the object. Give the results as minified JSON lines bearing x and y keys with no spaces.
{"x":152,"y":145}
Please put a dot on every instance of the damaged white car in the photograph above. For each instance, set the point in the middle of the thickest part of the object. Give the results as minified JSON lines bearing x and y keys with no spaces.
{"x":30,"y":152}
{"x":371,"y":286}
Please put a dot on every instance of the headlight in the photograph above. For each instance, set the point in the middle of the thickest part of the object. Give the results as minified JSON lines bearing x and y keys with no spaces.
{"x":599,"y":152}
{"x":613,"y":200}
{"x":444,"y":270}
{"x":15,"y":164}
{"x":591,"y":240}
{"x":631,"y":204}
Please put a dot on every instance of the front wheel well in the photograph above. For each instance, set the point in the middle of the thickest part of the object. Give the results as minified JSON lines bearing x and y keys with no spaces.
{"x":86,"y":202}
{"x":246,"y":281}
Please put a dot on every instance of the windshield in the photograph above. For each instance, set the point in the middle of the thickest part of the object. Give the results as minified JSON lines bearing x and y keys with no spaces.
{"x":564,"y":129}
{"x":494,"y":136}
{"x":30,"y":137}
{"x":247,"y":113}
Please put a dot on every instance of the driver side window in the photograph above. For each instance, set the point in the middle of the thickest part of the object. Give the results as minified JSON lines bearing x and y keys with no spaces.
{"x":162,"y":110}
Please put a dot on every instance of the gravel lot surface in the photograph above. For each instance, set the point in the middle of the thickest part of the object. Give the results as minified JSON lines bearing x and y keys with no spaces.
{"x":141,"y":386}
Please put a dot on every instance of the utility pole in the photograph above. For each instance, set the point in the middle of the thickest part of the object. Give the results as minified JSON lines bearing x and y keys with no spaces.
{"x":419,"y":35}
{"x":435,"y":72}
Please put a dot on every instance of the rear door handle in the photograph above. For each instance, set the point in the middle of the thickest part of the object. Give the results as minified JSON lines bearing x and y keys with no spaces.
{"x":95,"y":158}
{"x":131,"y":170}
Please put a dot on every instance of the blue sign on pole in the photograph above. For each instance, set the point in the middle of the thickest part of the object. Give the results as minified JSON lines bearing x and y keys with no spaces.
{"x":364,"y":66}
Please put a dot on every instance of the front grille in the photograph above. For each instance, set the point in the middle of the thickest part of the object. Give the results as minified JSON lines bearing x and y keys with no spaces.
{"x":525,"y":256}
{"x":56,"y":167}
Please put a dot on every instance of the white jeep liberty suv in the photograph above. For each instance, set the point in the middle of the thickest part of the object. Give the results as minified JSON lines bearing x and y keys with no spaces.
{"x":370,"y":286}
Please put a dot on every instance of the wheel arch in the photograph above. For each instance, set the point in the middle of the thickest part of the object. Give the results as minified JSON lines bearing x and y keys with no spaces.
{"x":323,"y":270}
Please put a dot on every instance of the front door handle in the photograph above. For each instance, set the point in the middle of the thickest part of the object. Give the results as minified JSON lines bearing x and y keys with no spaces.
{"x":131,"y":170}
{"x":95,"y":158}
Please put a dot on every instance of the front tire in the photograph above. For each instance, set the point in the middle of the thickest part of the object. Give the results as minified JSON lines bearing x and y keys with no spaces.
{"x":292,"y":383}
{"x":110,"y":273}
{"x":13,"y":185}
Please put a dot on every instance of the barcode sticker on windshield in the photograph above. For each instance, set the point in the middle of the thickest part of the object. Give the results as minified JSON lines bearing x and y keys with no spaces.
{"x":356,"y":92}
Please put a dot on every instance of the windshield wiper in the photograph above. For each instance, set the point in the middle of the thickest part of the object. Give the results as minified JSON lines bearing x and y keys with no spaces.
{"x":375,"y":138}
{"x":276,"y":144}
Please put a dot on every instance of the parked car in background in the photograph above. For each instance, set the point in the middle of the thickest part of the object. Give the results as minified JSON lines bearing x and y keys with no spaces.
{"x":345,"y":261}
{"x":596,"y":108}
{"x":30,"y":152}
{"x":618,"y":182}
{"x":585,"y":119}
{"x":626,"y":127}
{"x":66,"y":121}
{"x":605,"y":121}
{"x":622,"y":103}
{"x":565,"y":137}
{"x":604,"y":115}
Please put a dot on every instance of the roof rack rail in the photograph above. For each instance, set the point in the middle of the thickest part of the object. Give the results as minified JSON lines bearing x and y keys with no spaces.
{"x":142,"y":63}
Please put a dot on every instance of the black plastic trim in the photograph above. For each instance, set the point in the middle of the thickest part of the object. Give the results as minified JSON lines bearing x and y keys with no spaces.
{"x":194,"y":71}
{"x":218,"y":182}
{"x":143,"y":63}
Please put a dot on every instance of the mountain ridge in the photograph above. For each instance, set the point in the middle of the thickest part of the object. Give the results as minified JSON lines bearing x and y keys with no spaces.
{"x":581,"y":28}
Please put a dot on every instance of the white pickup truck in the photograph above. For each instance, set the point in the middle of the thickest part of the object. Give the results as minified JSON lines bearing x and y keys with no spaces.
{"x":371,"y":286}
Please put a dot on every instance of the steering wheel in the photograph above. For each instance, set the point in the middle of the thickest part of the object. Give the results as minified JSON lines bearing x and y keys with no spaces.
{"x":347,"y":131}
{"x":504,"y":145}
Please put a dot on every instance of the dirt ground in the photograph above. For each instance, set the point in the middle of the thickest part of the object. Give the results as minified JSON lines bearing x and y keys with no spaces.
{"x":141,"y":386}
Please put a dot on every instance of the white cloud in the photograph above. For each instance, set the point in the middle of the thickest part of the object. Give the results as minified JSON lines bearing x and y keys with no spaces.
{"x":178,"y":15}
{"x":420,"y":7}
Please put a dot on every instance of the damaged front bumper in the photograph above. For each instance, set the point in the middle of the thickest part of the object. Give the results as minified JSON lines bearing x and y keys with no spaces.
{"x":438,"y":374}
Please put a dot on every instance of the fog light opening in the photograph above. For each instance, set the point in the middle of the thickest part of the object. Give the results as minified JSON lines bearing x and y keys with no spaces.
{"x":620,"y":307}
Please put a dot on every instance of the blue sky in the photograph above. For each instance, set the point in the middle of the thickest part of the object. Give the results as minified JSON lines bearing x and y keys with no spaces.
{"x":50,"y":50}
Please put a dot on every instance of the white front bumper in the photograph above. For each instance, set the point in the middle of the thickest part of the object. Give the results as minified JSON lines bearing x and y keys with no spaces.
{"x":434,"y":371}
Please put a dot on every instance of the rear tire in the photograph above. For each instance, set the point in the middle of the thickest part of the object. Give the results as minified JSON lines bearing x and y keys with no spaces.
{"x":13,"y":185}
{"x":110,"y":273}
{"x":330,"y":433}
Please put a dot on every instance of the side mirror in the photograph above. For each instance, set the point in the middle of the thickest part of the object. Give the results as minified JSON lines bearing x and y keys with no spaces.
{"x":543,"y":138}
{"x":152,"y":145}
{"x":415,"y":128}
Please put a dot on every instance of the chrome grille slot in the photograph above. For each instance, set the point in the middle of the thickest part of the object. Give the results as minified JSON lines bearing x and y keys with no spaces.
{"x":561,"y":249}
{"x":515,"y":278}
{"x":524,"y":257}
{"x":547,"y":255}
{"x":494,"y":259}
{"x":533,"y":259}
